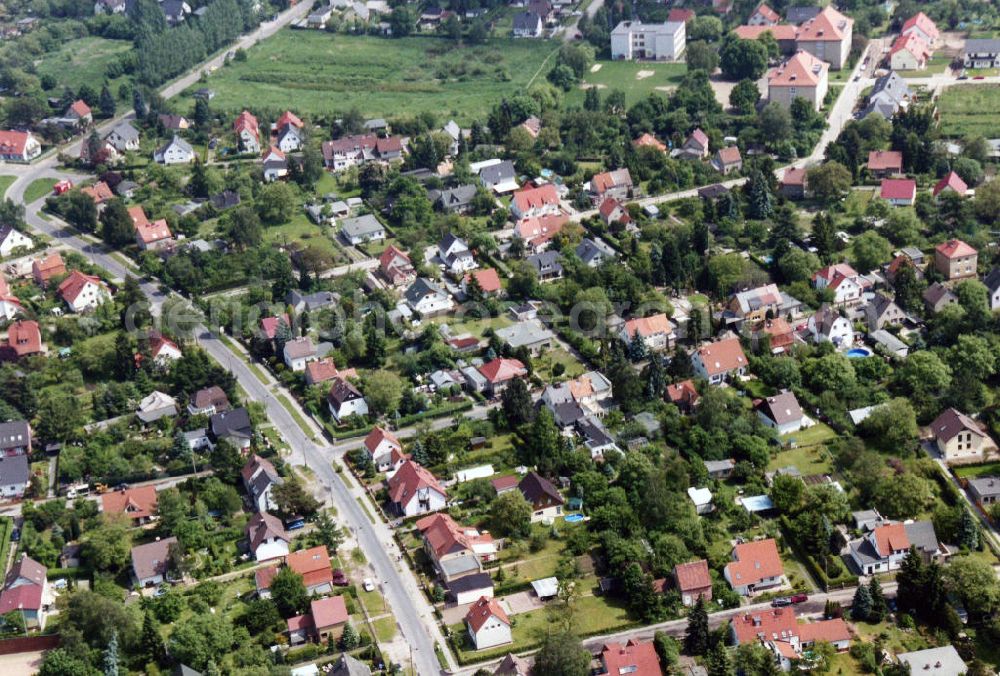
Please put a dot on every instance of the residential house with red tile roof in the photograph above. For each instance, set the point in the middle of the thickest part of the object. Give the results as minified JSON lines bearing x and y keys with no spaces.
{"x":921,"y":25}
{"x":269,"y":325}
{"x":499,"y":372}
{"x":647,"y":140}
{"x":138,"y":503}
{"x":384,"y":449}
{"x":695,"y":146}
{"x":26,"y":591}
{"x":842,"y":280}
{"x":952,"y":182}
{"x":488,"y":624}
{"x":487,"y":279}
{"x":756,"y":565}
{"x":680,"y":14}
{"x":537,"y":233}
{"x":611,"y":211}
{"x":727,"y":160}
{"x":325,"y":369}
{"x":535,"y":202}
{"x":635,"y":658}
{"x":455,"y":550}
{"x":18,"y":146}
{"x":80,"y":112}
{"x":162,"y":350}
{"x":909,"y":52}
{"x":617,"y":184}
{"x":414,"y":490}
{"x":793,"y":183}
{"x":801,"y":76}
{"x":247,"y":130}
{"x":83,"y":292}
{"x":396,"y":267}
{"x":720,"y":361}
{"x":778,"y":630}
{"x":262,"y":578}
{"x":682,"y":394}
{"x":149,"y":235}
{"x":656,"y":331}
{"x":885,"y":163}
{"x":47,"y":268}
{"x":329,"y":615}
{"x":24,"y":339}
{"x":779,"y":333}
{"x":151,"y":562}
{"x":827,"y":36}
{"x":313,"y":565}
{"x":99,"y":192}
{"x":764,"y":16}
{"x":883,"y":548}
{"x":955,"y":259}
{"x":693,"y":581}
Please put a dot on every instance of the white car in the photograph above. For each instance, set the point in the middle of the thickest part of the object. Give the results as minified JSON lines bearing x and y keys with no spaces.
{"x":368,"y":584}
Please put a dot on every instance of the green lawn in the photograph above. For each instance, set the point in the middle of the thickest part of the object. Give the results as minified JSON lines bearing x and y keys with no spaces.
{"x":38,"y":189}
{"x":83,"y":61}
{"x":385,"y":629}
{"x":5,"y":182}
{"x":300,"y":230}
{"x":936,"y":65}
{"x":969,"y":110}
{"x":812,"y":436}
{"x":625,"y":75}
{"x":976,"y":471}
{"x":316,"y":73}
{"x":808,"y":459}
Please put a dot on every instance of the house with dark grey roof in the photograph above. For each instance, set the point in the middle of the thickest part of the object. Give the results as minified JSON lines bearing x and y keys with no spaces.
{"x":174,"y":151}
{"x":889,"y":94}
{"x":595,"y":436}
{"x":123,"y":137}
{"x":981,"y":53}
{"x":499,"y":177}
{"x":455,"y":254}
{"x":545,"y":500}
{"x":985,"y":490}
{"x":349,"y":666}
{"x":531,"y":334}
{"x":226,"y":199}
{"x":15,"y":437}
{"x":937,"y":296}
{"x":232,"y":426}
{"x":799,"y":15}
{"x":547,"y":265}
{"x":594,"y":252}
{"x":528,"y":25}
{"x":361,"y":229}
{"x":457,"y":200}
{"x":310,"y":302}
{"x":427,"y":298}
{"x":14,"y":475}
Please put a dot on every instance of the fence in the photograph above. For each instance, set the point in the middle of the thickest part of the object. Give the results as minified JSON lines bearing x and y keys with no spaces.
{"x":28,"y":644}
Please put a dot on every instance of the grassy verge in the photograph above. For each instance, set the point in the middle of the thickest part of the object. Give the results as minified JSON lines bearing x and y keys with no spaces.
{"x":296,"y":416}
{"x":5,"y":182}
{"x":38,"y":189}
{"x":364,"y":507}
{"x":257,"y":371}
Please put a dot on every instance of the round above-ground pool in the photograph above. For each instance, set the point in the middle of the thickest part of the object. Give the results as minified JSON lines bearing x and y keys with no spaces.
{"x":859,"y":352}
{"x":574,"y":518}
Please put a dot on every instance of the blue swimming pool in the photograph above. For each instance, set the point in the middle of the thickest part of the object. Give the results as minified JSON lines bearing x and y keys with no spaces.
{"x":859,"y":352}
{"x":574,"y":518}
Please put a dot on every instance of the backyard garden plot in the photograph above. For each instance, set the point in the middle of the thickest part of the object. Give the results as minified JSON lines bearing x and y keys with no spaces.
{"x":969,"y":110}
{"x":315,"y":73}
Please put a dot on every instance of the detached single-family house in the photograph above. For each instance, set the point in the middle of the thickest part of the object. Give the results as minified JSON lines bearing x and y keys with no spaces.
{"x":233,"y":426}
{"x":992,"y":283}
{"x":395,"y":266}
{"x":496,"y":175}
{"x":889,"y":95}
{"x":14,"y":475}
{"x":616,"y":184}
{"x":299,"y":352}
{"x":547,"y":265}
{"x":899,"y":192}
{"x":500,"y":372}
{"x":885,"y":546}
{"x":909,"y":52}
{"x":345,"y":400}
{"x":12,"y":240}
{"x":828,"y":326}
{"x":959,"y":438}
{"x":362,"y":229}
{"x":427,"y":299}
{"x":26,"y":592}
{"x":535,"y":202}
{"x":720,"y":361}
{"x":985,"y":491}
{"x":24,"y":339}
{"x":259,"y":477}
{"x":756,"y":565}
{"x":175,"y":151}
{"x":885,"y":163}
{"x":782,"y":413}
{"x":537,"y":232}
{"x":693,"y":582}
{"x":83,"y":292}
{"x":151,"y":562}
{"x":952,"y":182}
{"x":487,"y":280}
{"x":937,"y":296}
{"x":414,"y":490}
{"x":631,"y":657}
{"x":695,"y":146}
{"x":313,"y":565}
{"x":45,"y":269}
{"x":123,"y":137}
{"x":457,"y":200}
{"x":384,"y":449}
{"x":528,"y":25}
{"x":247,"y":132}
{"x":755,"y":305}
{"x":455,"y":254}
{"x":594,"y":252}
{"x":655,"y":331}
{"x":155,"y":406}
{"x":763,"y":16}
{"x":921,"y":26}
{"x":274,"y":164}
{"x":882,"y":311}
{"x":488,"y":624}
{"x":727,"y":160}
{"x":943,"y":661}
{"x":981,"y":53}
{"x":18,"y":146}
{"x":545,"y":500}
{"x":266,"y":537}
{"x":955,"y":259}
{"x":793,"y":183}
{"x":455,"y":550}
{"x":208,"y":401}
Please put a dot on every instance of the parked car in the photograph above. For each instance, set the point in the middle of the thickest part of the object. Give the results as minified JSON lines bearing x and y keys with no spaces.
{"x":799,"y":598}
{"x":781,"y":601}
{"x":340,"y":578}
{"x":368,"y":584}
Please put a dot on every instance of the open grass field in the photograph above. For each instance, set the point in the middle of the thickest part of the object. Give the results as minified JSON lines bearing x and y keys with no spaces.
{"x":637,"y":80}
{"x":969,"y":110}
{"x":83,"y":61}
{"x":314,"y":72}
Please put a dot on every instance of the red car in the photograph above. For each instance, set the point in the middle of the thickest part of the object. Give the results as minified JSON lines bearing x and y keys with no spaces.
{"x":799,"y":598}
{"x":340,"y":579}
